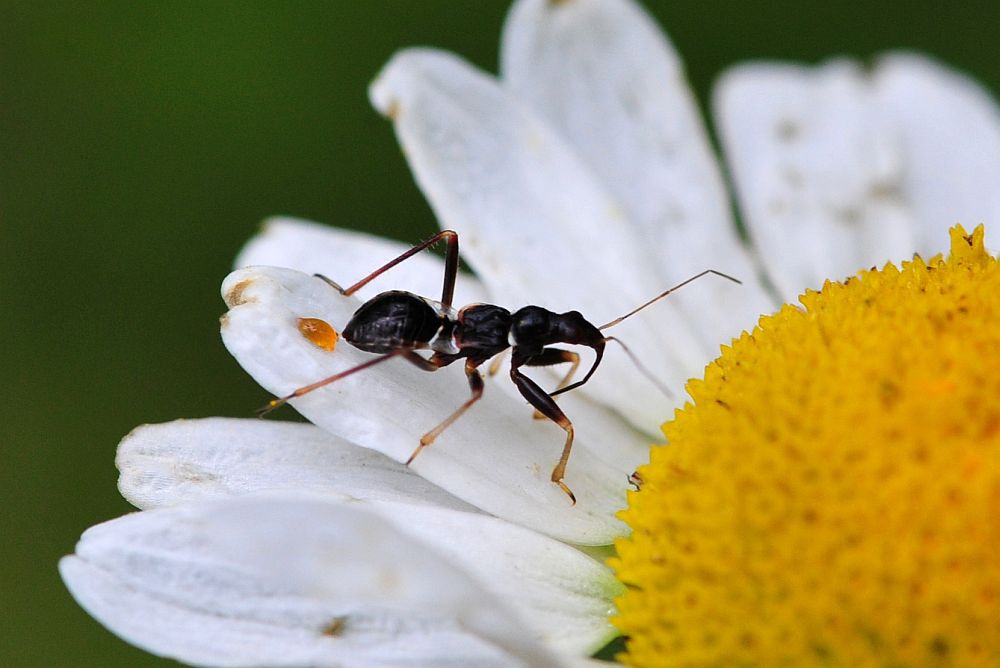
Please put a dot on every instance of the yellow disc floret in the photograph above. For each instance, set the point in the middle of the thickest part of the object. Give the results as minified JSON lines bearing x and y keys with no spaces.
{"x":831,"y":496}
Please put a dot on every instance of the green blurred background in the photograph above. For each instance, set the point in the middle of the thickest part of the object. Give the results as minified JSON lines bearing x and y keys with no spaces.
{"x":140,"y":146}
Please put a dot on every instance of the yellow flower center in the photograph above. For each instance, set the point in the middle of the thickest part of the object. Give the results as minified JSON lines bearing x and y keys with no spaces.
{"x":831,"y":497}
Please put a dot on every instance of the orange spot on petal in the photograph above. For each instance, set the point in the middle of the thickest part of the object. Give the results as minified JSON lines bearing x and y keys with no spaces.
{"x":319,"y":333}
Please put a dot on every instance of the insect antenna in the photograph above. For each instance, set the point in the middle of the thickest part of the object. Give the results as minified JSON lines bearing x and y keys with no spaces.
{"x":665,"y":293}
{"x":645,"y":372}
{"x":635,"y":359}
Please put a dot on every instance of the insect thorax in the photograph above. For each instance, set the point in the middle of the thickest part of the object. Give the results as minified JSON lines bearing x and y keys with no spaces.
{"x":483,"y":327}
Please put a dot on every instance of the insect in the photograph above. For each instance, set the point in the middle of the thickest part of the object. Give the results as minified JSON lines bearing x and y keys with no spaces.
{"x":398,"y":324}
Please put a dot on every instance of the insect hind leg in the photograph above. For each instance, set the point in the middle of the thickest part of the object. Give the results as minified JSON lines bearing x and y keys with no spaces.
{"x":332,"y":283}
{"x":450,"y":267}
{"x":306,"y":389}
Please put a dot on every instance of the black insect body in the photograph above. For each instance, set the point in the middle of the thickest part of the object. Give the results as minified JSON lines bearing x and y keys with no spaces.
{"x":398,"y":324}
{"x":393,"y":320}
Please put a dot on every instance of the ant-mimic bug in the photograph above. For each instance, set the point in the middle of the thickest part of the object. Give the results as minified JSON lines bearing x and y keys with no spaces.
{"x":398,"y":324}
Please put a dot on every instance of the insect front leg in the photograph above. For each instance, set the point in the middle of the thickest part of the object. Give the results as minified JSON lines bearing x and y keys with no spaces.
{"x":547,"y":406}
{"x":551,"y":357}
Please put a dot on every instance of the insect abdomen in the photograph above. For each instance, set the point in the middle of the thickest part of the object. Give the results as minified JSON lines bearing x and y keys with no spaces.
{"x":390,"y":321}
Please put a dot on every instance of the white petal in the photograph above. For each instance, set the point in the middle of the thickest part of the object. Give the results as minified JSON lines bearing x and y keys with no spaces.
{"x":347,"y":256}
{"x":838,"y":171}
{"x":562,"y":595}
{"x":948,"y":129}
{"x":219,"y":636}
{"x":816,"y":171}
{"x":267,"y":581}
{"x":535,"y":223}
{"x":186,"y":460}
{"x":604,"y":76}
{"x":496,"y":457}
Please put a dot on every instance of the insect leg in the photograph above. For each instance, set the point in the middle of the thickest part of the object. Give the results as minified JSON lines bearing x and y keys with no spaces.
{"x":275,"y":403}
{"x":497,"y":362}
{"x":476,"y":386}
{"x":450,"y":267}
{"x":550,"y":357}
{"x":598,"y":347}
{"x":546,"y":405}
{"x":434,"y":363}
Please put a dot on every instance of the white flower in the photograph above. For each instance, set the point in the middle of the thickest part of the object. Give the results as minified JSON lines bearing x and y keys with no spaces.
{"x":581,"y":179}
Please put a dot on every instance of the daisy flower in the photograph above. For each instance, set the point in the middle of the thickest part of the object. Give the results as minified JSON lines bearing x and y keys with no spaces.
{"x":828,"y":497}
{"x":581,"y":178}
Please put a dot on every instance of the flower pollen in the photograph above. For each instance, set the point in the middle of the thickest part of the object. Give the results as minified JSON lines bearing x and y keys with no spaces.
{"x":830,"y":495}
